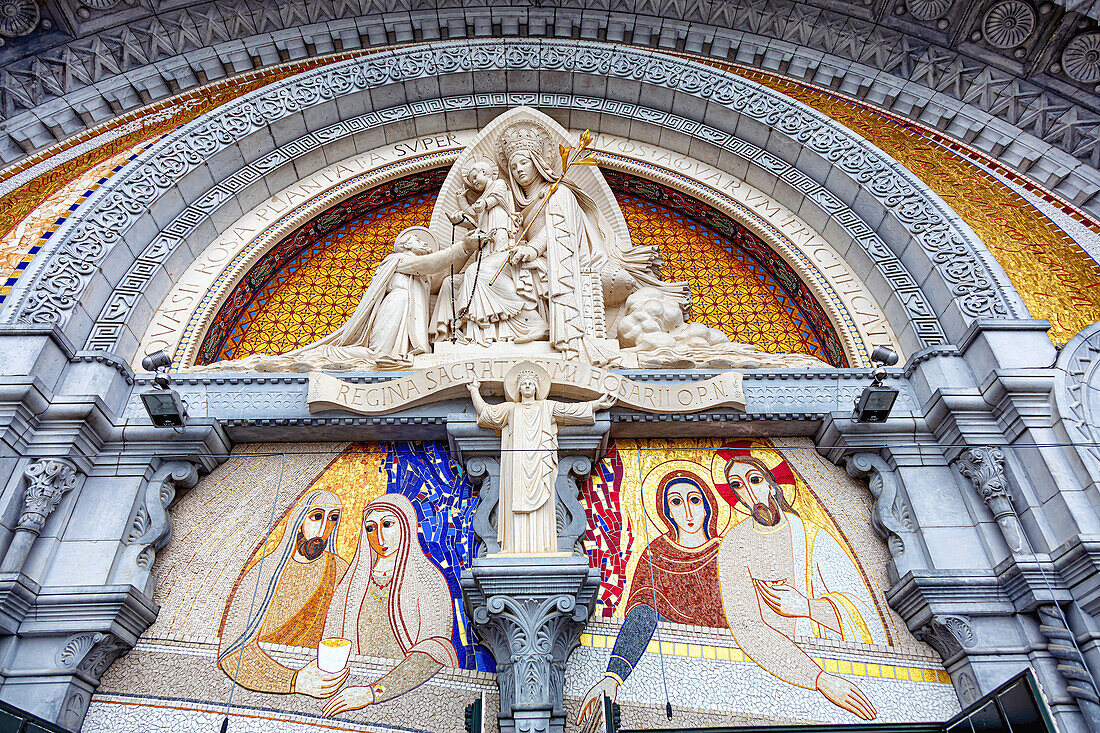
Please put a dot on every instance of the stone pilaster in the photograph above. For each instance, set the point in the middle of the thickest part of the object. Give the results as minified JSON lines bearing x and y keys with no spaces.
{"x":48,"y":480}
{"x":985,"y":467}
{"x":529,"y":612}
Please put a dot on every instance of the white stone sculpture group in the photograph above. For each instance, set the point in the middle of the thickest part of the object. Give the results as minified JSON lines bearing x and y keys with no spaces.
{"x":527,"y":255}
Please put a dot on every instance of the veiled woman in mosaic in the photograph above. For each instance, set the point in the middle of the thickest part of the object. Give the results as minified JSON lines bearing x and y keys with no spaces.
{"x":392,"y":603}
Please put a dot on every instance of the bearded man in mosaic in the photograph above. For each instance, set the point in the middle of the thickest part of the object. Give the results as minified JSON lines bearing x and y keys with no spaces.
{"x":769,"y":600}
{"x":290,"y":586}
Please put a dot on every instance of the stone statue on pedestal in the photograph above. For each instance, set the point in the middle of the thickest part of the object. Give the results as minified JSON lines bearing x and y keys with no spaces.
{"x":528,"y":424}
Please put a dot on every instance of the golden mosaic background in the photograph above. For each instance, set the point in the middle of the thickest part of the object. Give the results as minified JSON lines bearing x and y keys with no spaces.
{"x":1055,"y":277}
{"x":315,"y":294}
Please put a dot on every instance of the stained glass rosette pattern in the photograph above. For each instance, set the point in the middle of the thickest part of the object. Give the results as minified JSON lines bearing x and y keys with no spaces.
{"x":310,"y":283}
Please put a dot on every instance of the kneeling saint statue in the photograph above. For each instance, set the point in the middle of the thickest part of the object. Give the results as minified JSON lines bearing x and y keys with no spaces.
{"x":528,"y":425}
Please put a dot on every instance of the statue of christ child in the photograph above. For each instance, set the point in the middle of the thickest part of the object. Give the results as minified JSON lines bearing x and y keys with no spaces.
{"x":528,"y":424}
{"x":486,"y":291}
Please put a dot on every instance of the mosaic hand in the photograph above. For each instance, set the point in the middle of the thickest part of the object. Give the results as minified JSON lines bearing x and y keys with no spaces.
{"x":840,"y":691}
{"x":783,"y":598}
{"x":594,"y":698}
{"x":350,"y":698}
{"x":313,"y":681}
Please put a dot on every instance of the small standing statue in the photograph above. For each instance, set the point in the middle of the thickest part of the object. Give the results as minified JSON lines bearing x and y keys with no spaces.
{"x":528,"y":425}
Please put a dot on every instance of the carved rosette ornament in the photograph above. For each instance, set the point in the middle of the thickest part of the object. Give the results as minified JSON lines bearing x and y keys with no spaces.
{"x":18,"y":18}
{"x":985,"y":467}
{"x":1081,"y":58}
{"x":48,"y":480}
{"x":1008,"y":23}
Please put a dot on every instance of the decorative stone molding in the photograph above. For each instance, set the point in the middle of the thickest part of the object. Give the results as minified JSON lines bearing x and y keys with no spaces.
{"x":985,"y":467}
{"x":891,"y":516}
{"x":1062,"y":645}
{"x":529,"y":613}
{"x":975,"y":91}
{"x":1081,"y":58}
{"x":48,"y":480}
{"x":18,"y":18}
{"x":1008,"y":23}
{"x":977,"y":285}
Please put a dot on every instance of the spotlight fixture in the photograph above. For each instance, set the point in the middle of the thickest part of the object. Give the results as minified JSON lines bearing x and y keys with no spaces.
{"x":164,"y":406}
{"x":876,"y":402}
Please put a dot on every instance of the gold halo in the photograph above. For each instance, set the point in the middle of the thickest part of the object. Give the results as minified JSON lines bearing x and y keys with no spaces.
{"x":649,"y":496}
{"x":511,"y":381}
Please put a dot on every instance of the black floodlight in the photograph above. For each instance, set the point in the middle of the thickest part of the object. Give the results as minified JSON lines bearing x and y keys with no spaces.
{"x":164,"y":406}
{"x":876,"y":402}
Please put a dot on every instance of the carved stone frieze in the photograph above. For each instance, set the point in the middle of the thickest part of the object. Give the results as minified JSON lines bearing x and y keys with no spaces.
{"x":916,"y":52}
{"x":1062,"y":645}
{"x":75,"y":252}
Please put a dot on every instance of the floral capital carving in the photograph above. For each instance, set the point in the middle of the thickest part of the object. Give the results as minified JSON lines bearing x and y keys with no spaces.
{"x":985,"y":467}
{"x":48,"y":479}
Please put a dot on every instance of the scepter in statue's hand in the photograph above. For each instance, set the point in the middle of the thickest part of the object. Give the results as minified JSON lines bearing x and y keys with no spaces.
{"x":570,"y":156}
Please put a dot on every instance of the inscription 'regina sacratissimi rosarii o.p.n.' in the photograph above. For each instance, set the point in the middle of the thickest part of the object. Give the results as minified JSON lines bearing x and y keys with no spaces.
{"x":570,"y":379}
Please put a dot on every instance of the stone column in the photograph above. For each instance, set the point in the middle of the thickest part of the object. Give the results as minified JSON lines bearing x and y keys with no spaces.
{"x":48,"y":479}
{"x":529,"y":612}
{"x":985,"y":467}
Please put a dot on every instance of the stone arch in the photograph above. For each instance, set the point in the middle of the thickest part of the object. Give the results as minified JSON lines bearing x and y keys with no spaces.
{"x":806,"y":161}
{"x":185,"y":314}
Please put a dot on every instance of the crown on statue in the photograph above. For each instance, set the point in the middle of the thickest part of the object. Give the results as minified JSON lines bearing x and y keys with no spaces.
{"x":522,"y":136}
{"x":528,"y":374}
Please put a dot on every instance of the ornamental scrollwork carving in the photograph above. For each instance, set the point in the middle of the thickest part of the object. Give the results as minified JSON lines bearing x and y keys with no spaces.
{"x":81,"y":247}
{"x":484,"y":475}
{"x":891,"y":516}
{"x":91,"y":653}
{"x":48,"y":480}
{"x":948,"y":635}
{"x":151,"y":528}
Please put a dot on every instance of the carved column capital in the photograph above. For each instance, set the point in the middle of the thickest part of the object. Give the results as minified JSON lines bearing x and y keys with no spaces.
{"x":985,"y":467}
{"x":48,"y":479}
{"x":529,"y":613}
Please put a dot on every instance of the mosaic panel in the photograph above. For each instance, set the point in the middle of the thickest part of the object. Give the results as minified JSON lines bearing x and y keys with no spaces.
{"x":26,"y":238}
{"x":752,"y":562}
{"x":275,"y":554}
{"x":308,"y":285}
{"x":1055,"y":277}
